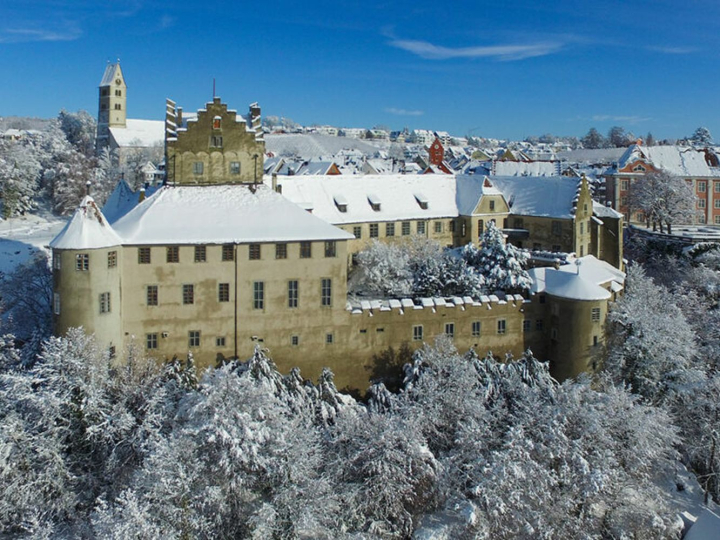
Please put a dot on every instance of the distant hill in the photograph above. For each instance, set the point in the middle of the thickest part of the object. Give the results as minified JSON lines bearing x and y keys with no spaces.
{"x":23,"y":122}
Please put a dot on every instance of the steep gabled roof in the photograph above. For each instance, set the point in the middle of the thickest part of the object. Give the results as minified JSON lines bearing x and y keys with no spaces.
{"x":543,"y":196}
{"x":110,"y":73}
{"x":87,"y":229}
{"x":677,"y":160}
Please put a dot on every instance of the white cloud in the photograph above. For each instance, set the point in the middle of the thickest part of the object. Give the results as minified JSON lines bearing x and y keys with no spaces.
{"x":25,"y":35}
{"x":404,"y":112}
{"x":427,"y":50}
{"x":673,"y":50}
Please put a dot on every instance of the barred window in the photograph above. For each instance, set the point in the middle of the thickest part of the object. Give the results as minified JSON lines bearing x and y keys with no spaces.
{"x":151,"y":295}
{"x":254,"y":252}
{"x":326,"y":292}
{"x":330,"y":249}
{"x":281,"y":251}
{"x":200,"y":254}
{"x":228,"y":252}
{"x":223,"y":292}
{"x":144,"y":255}
{"x":438,"y":227}
{"x":82,"y":262}
{"x":357,"y":231}
{"x":112,"y":259}
{"x":389,"y":229}
{"x":173,"y":254}
{"x":595,"y":314}
{"x":421,"y":227}
{"x":406,"y":228}
{"x":305,"y":250}
{"x":259,"y":295}
{"x":188,"y":294}
{"x":374,"y":230}
{"x":105,"y":302}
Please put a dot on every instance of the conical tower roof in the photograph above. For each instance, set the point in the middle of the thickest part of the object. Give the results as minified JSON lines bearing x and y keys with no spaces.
{"x":87,"y":229}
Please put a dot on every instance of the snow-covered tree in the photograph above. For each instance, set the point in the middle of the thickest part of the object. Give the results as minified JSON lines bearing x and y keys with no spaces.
{"x":501,"y":264}
{"x":701,"y":137}
{"x":80,"y":129}
{"x":665,"y":199}
{"x":593,"y":140}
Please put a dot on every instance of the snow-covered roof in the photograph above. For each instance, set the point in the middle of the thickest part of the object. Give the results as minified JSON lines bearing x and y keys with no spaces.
{"x":595,"y":270}
{"x":221,"y":214}
{"x":470,"y":190}
{"x":122,"y":200}
{"x":316,"y":145}
{"x":142,"y":133}
{"x":677,"y":160}
{"x":109,"y":74}
{"x":397,"y":194}
{"x":605,"y":211}
{"x":544,"y":196}
{"x":524,"y":168}
{"x":87,"y":229}
{"x":565,"y":285}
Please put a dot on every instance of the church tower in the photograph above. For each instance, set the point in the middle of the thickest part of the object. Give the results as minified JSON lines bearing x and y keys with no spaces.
{"x":112,"y":106}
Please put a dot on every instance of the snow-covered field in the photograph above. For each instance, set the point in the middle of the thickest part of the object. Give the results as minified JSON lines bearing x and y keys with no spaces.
{"x":22,"y":237}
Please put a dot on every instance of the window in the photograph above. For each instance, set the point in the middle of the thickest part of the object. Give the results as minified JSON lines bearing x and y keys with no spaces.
{"x":418,"y":333}
{"x":173,"y":254}
{"x":421,"y":227}
{"x":450,"y":329}
{"x":527,"y":325}
{"x":329,"y":339}
{"x":105,"y":302}
{"x":538,"y":324}
{"x":194,"y":338}
{"x":118,"y":93}
{"x":216,"y":141}
{"x":151,"y":341}
{"x":200,"y":254}
{"x":492,"y":206}
{"x":281,"y":251}
{"x":623,"y":201}
{"x":702,"y":186}
{"x":357,"y":231}
{"x":481,"y":227}
{"x":188,"y":294}
{"x":582,"y":251}
{"x":582,"y":227}
{"x":330,"y":249}
{"x":234,"y":167}
{"x":118,"y":107}
{"x":217,"y":122}
{"x":374,"y":228}
{"x":639,"y":168}
{"x":716,"y":203}
{"x":624,"y":185}
{"x":451,"y":224}
{"x":82,"y":262}
{"x":228,"y":252}
{"x":220,"y":341}
{"x":57,"y":261}
{"x":406,"y":228}
{"x":144,"y":255}
{"x":389,"y":229}
{"x":438,"y":227}
{"x":56,"y":303}
{"x":595,"y":342}
{"x":717,"y":187}
{"x":295,"y":341}
{"x":717,"y":220}
{"x":292,"y":293}
{"x":305,"y":250}
{"x":701,"y":203}
{"x":557,"y":228}
{"x":326,"y":292}
{"x":476,"y":328}
{"x":198,"y":168}
{"x":254,"y":252}
{"x":112,"y":259}
{"x":151,"y":295}
{"x":595,"y":315}
{"x":223,"y":292}
{"x":501,"y":326}
{"x":259,"y":295}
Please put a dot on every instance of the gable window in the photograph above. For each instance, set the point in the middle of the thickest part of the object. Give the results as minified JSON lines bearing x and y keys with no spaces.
{"x":188,"y":294}
{"x":228,"y":252}
{"x":217,"y":122}
{"x":200,"y":254}
{"x":305,"y":250}
{"x":223,"y":292}
{"x":198,"y":168}
{"x":374,"y":230}
{"x":173,"y":254}
{"x":234,"y":167}
{"x":357,"y":231}
{"x":216,"y":141}
{"x":105,"y":302}
{"x":259,"y":295}
{"x":418,"y":333}
{"x":341,"y":203}
{"x":292,"y":293}
{"x":492,"y":206}
{"x":406,"y":228}
{"x":326,"y":292}
{"x":281,"y":251}
{"x":151,"y":295}
{"x":254,"y":252}
{"x":144,"y":255}
{"x":639,"y":168}
{"x":330,"y":249}
{"x":389,"y":229}
{"x":112,"y":259}
{"x":82,"y":262}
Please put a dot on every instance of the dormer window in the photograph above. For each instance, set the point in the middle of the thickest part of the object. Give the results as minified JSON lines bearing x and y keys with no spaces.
{"x":217,"y":122}
{"x":639,"y":168}
{"x":422,"y":200}
{"x":341,"y":203}
{"x":374,"y":201}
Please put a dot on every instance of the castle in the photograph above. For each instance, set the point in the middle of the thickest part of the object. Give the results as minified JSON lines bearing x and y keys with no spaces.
{"x":219,"y":260}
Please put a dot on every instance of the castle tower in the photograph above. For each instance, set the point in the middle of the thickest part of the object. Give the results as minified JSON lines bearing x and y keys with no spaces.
{"x":112,"y":104}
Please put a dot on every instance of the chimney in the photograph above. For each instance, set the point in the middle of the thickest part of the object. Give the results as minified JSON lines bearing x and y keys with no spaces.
{"x":141,"y":198}
{"x":87,"y":187}
{"x":274,"y":182}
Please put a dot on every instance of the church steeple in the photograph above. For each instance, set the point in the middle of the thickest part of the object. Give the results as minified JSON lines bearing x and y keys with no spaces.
{"x":112,"y":103}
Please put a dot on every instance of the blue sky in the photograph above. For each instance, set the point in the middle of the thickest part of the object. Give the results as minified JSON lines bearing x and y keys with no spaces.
{"x":468,"y":67}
